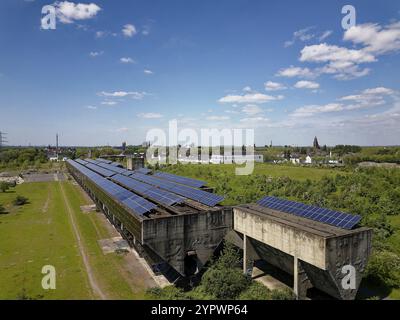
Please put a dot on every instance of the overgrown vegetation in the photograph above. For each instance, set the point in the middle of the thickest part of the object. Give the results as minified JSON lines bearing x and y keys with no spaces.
{"x":223,"y":280}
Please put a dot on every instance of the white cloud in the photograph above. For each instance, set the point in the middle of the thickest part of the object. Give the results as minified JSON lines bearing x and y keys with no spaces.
{"x":129,"y":30}
{"x":368,"y":98}
{"x":375,"y":38}
{"x":249,"y":98}
{"x":325,"y":35}
{"x":94,"y":54}
{"x":292,"y":72}
{"x":252,"y":109}
{"x":218,"y":118}
{"x":328,"y":53}
{"x":68,"y":12}
{"x":126,"y":60}
{"x":109,"y":103}
{"x":308,"y":111}
{"x":147,"y":71}
{"x":247,"y":89}
{"x":254,"y":119}
{"x":91,"y":107}
{"x":120,"y":94}
{"x":123,"y":129}
{"x":302,"y":35}
{"x":303,"y":84}
{"x":273,"y":86}
{"x":150,"y":115}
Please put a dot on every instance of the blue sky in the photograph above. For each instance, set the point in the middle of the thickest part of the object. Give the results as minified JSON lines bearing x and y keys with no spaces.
{"x":285,"y":68}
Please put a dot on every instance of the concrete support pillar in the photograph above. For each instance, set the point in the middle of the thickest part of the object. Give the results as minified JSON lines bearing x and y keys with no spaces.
{"x":296,"y":277}
{"x":247,"y":259}
{"x":301,"y":281}
{"x":129,"y":163}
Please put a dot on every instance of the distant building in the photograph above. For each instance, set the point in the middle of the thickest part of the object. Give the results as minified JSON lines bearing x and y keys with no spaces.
{"x":53,"y":159}
{"x":217,"y":159}
{"x":308,"y":160}
{"x":295,"y":160}
{"x":315,"y":143}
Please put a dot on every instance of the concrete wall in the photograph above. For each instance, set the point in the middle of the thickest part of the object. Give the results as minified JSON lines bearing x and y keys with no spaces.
{"x":173,"y":237}
{"x":306,"y":246}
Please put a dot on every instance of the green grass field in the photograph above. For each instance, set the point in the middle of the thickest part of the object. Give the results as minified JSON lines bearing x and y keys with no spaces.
{"x":40,"y":233}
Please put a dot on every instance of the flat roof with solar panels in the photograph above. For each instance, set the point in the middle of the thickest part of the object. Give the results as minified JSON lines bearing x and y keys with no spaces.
{"x":170,"y":194}
{"x":165,"y":216}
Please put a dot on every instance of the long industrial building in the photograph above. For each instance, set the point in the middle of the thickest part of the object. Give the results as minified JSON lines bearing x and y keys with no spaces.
{"x":176,"y":223}
{"x":172,"y":221}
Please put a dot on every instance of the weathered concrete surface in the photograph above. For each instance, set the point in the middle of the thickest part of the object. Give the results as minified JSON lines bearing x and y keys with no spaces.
{"x":279,"y":238}
{"x":305,"y":245}
{"x":199,"y":234}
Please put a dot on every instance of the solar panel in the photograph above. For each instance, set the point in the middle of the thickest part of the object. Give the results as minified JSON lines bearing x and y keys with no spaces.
{"x":80,"y":161}
{"x":334,"y":218}
{"x":100,"y":170}
{"x":103,"y":160}
{"x":143,"y":170}
{"x":136,"y":203}
{"x":201,"y":196}
{"x":111,"y":167}
{"x":182,"y":180}
{"x":150,"y":191}
{"x":116,"y":164}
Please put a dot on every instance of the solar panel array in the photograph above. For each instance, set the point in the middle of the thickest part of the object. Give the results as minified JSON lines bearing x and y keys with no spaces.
{"x":201,"y":196}
{"x":334,"y":218}
{"x":136,"y":203}
{"x":116,"y":164}
{"x":103,"y":160}
{"x":182,"y":180}
{"x":150,"y":191}
{"x":83,"y":162}
{"x":104,"y":172}
{"x":143,"y":170}
{"x":111,"y":167}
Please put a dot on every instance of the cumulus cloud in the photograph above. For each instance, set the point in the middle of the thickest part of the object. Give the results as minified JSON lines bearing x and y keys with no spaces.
{"x":292,"y":72}
{"x":91,"y":107}
{"x":254,"y":119}
{"x":150,"y":115}
{"x":303,"y":84}
{"x":126,"y":60}
{"x":129,"y":30}
{"x":147,"y":71}
{"x":68,"y":12}
{"x":249,"y":98}
{"x":273,"y":86}
{"x":375,"y":38}
{"x":368,"y":98}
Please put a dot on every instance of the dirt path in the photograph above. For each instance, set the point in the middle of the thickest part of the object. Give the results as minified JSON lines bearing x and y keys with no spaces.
{"x":93,"y":283}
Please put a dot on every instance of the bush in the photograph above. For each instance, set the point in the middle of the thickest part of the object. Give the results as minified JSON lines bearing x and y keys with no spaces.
{"x":224,"y":283}
{"x":166,"y":293}
{"x":4,"y":186}
{"x":284,"y":294}
{"x":256,"y":291}
{"x":384,"y":267}
{"x":20,"y":201}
